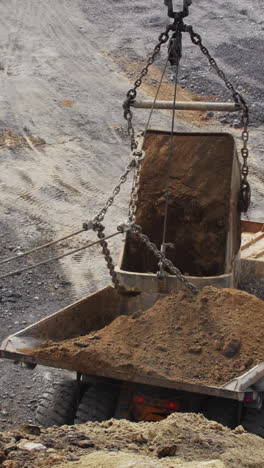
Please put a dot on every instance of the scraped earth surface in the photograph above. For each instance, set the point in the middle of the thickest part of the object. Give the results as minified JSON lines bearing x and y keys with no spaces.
{"x":65,"y":69}
{"x":179,"y":441}
{"x":206,"y":339}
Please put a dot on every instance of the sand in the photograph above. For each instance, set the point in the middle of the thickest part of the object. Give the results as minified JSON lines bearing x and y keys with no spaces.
{"x":208,"y":339}
{"x":174,"y":442}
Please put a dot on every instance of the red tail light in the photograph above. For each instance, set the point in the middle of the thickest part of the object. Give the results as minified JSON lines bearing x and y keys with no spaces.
{"x":140,"y":399}
{"x":172,"y":405}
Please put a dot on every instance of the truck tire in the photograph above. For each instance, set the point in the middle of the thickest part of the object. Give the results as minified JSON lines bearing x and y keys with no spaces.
{"x":97,"y":404}
{"x":58,"y":404}
{"x":253,"y":421}
{"x":223,"y":411}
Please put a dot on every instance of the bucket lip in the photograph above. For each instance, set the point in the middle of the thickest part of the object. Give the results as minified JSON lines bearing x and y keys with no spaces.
{"x":214,"y":134}
{"x":154,"y":275}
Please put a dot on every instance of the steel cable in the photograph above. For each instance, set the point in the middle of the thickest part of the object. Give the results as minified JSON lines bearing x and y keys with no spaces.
{"x":40,"y":247}
{"x":53,"y":259}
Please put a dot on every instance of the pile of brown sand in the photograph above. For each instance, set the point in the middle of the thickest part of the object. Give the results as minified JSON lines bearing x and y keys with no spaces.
{"x":173,"y":442}
{"x":207,"y":339}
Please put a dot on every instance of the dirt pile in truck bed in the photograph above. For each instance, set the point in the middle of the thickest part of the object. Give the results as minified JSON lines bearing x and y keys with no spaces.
{"x":207,"y":339}
{"x":174,"y":442}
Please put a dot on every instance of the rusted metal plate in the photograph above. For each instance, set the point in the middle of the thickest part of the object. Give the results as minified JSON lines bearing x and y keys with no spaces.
{"x":251,"y":226}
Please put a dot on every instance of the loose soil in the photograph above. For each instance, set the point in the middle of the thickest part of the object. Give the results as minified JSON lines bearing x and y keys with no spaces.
{"x":10,"y":140}
{"x":197,"y":174}
{"x":207,"y":339}
{"x":173,"y":442}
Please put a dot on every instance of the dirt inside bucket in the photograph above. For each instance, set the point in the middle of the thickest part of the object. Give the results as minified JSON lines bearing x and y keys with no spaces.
{"x":198,"y":177}
{"x":208,"y":339}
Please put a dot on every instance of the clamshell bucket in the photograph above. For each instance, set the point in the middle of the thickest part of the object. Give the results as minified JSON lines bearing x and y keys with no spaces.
{"x":202,"y":175}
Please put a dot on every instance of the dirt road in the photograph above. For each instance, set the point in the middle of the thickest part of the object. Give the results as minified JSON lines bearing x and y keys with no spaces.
{"x":65,"y":67}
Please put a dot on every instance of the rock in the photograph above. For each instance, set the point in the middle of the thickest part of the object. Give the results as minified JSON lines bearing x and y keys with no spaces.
{"x":195,"y":350}
{"x":72,"y":458}
{"x":10,"y":447}
{"x":85,"y":443}
{"x":217,"y":345}
{"x":81,"y":345}
{"x":30,"y":428}
{"x":141,"y":439}
{"x":2,"y":456}
{"x":167,"y":451}
{"x":239,"y":430}
{"x":30,"y":446}
{"x":133,"y":447}
{"x":231,"y":347}
{"x":10,"y":464}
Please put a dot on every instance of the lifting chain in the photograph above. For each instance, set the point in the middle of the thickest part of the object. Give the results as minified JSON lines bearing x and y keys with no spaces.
{"x":136,"y":229}
{"x":132,"y":93}
{"x":99,"y":228}
{"x":238,"y":99}
{"x":122,"y":180}
{"x":96,"y":223}
{"x":139,"y":156}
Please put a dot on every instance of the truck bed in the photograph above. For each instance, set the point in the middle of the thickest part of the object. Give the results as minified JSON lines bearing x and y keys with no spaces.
{"x":95,"y":312}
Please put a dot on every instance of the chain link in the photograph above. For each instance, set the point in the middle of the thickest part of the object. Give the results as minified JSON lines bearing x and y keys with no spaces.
{"x":132,"y":93}
{"x":240,"y":101}
{"x":99,"y":228}
{"x":139,"y":156}
{"x":136,"y":229}
{"x":100,"y":216}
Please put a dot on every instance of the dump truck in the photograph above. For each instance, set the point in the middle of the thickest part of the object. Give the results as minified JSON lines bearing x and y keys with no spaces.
{"x":101,"y":393}
{"x":184,"y":230}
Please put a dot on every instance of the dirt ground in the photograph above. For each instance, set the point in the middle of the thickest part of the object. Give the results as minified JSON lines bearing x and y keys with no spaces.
{"x":62,"y":83}
{"x":184,"y":441}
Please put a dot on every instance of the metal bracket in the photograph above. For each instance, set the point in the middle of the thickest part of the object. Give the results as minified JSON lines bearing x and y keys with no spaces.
{"x":179,"y":14}
{"x":88,"y":225}
{"x":175,"y":48}
{"x":161,"y":273}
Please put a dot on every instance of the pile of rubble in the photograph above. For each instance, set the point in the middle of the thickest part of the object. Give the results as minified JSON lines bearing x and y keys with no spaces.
{"x":180,"y":441}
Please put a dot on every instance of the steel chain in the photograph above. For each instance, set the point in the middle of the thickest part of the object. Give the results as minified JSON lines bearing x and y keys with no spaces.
{"x":139,"y":156}
{"x":99,"y":228}
{"x":132,"y":93}
{"x":136,"y":229}
{"x":238,"y":99}
{"x":96,"y":224}
{"x":100,"y":216}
